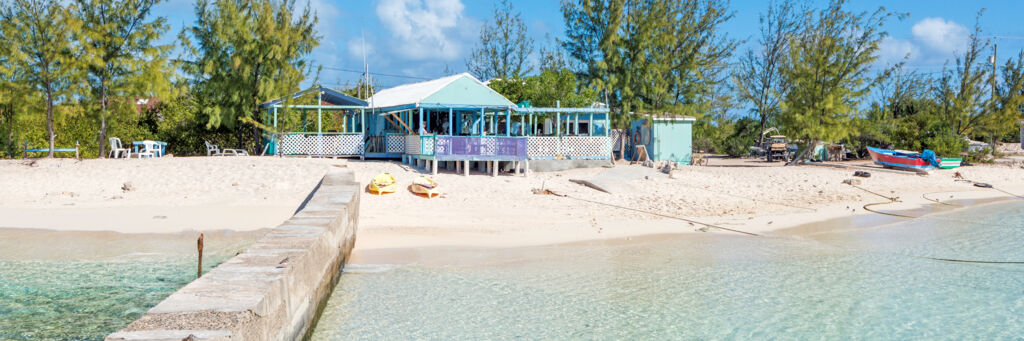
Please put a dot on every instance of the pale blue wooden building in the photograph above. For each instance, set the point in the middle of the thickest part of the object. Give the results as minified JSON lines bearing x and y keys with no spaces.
{"x":665,"y":138}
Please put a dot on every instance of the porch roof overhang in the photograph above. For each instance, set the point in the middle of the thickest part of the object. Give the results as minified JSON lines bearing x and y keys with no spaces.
{"x":563,"y":110}
{"x":441,"y":106}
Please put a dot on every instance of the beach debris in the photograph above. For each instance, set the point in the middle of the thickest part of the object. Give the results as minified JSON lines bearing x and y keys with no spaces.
{"x":982,"y":185}
{"x":666,"y":168}
{"x":862,"y":174}
{"x":957,"y":175}
{"x":545,"y":192}
{"x":128,"y":187}
{"x":854,"y":182}
{"x":590,"y":184}
{"x":159,"y":217}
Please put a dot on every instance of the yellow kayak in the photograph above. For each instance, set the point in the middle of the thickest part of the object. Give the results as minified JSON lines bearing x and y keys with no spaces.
{"x":424,"y":186}
{"x":383,"y":183}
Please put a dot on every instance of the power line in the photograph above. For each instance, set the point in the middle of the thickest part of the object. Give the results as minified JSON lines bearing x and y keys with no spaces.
{"x":374,"y":73}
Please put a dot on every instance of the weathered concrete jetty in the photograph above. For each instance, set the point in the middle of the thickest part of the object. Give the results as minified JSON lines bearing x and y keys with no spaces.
{"x":273,"y":290}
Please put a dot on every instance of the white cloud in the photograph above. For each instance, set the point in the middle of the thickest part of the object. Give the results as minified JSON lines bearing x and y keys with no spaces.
{"x":892,"y":51}
{"x":325,"y":14}
{"x":940,"y":35}
{"x":425,"y":29}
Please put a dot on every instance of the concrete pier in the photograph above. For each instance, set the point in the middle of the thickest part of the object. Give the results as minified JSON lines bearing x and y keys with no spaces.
{"x":274,"y":289}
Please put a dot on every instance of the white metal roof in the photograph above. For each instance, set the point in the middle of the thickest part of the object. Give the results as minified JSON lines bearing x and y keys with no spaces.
{"x":413,"y":93}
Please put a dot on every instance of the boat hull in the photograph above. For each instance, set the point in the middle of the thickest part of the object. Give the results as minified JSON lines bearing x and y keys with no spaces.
{"x":383,"y":183}
{"x":949,"y":163}
{"x":425,"y":187}
{"x":890,"y":159}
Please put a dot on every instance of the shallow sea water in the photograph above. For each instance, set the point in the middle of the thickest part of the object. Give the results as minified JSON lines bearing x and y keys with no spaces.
{"x":85,"y":285}
{"x":859,"y":283}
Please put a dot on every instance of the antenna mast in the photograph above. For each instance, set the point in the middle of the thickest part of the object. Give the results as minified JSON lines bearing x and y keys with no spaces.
{"x":366,"y":69}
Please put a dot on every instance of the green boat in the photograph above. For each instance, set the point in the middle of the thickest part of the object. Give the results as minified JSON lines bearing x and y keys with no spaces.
{"x":950,"y":163}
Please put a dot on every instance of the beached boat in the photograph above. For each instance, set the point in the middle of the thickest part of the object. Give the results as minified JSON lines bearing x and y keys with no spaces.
{"x":918,"y":162}
{"x":949,"y":163}
{"x":383,"y":183}
{"x":424,"y":186}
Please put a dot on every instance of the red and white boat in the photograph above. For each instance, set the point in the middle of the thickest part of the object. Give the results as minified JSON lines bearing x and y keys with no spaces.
{"x":918,"y":162}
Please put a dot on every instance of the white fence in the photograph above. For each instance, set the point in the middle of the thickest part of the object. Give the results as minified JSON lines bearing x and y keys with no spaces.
{"x":569,"y":147}
{"x":320,"y":144}
{"x":394,"y":144}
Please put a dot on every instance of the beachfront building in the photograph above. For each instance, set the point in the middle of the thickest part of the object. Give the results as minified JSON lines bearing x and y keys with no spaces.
{"x":334,"y":126}
{"x":1021,"y":133}
{"x":665,"y":138}
{"x":458,"y":121}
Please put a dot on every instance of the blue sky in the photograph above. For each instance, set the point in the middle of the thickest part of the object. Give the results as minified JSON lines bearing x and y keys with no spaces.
{"x":421,"y":38}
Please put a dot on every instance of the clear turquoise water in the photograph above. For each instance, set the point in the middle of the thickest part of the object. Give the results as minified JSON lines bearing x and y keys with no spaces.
{"x":860,"y":283}
{"x":85,"y":285}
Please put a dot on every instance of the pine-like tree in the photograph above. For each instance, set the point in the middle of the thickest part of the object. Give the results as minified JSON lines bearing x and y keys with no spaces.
{"x":244,"y":53}
{"x":828,"y":72}
{"x":122,"y":61}
{"x":758,"y":78}
{"x":504,"y":48}
{"x":650,"y":56}
{"x":43,"y":54}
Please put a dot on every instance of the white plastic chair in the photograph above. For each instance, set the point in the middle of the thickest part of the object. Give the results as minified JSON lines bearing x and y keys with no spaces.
{"x":150,"y":149}
{"x":214,"y":150}
{"x":117,"y":150}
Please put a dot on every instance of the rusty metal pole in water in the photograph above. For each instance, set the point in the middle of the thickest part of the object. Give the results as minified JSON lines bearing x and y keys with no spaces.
{"x":199,"y":244}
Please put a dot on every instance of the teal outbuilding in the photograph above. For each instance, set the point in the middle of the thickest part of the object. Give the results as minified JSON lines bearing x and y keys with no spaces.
{"x":665,"y":138}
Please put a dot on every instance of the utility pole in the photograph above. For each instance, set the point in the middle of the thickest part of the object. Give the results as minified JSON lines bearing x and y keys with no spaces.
{"x":995,"y":46}
{"x":366,"y":70}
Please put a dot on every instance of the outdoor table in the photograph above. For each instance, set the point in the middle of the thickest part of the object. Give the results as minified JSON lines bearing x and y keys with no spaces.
{"x":136,"y":145}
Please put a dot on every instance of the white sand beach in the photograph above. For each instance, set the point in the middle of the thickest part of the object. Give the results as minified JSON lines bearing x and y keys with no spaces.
{"x":166,"y":194}
{"x":248,"y":193}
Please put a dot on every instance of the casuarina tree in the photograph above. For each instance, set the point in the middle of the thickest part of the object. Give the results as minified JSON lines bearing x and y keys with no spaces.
{"x":244,"y":53}
{"x":40,"y":38}
{"x":118,"y":39}
{"x":504,"y":48}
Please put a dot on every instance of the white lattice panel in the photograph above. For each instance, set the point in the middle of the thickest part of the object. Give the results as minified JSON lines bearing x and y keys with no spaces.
{"x":427,"y":145}
{"x":616,"y":136}
{"x":302,"y":144}
{"x":394,"y":144}
{"x":488,"y":146}
{"x":412,"y":144}
{"x":586,"y":147}
{"x":542,"y":147}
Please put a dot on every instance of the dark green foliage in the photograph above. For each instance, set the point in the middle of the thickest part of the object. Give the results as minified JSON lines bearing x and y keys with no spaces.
{"x":547,"y":90}
{"x":746,"y":132}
